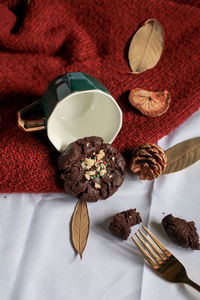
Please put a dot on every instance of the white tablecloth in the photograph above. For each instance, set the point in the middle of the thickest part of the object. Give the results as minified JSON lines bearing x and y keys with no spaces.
{"x":38,"y":261}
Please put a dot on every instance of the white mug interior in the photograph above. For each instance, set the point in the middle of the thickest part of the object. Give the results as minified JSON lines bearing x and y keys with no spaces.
{"x":81,"y":114}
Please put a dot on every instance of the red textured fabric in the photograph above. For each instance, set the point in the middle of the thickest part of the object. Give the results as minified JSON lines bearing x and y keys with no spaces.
{"x":47,"y":38}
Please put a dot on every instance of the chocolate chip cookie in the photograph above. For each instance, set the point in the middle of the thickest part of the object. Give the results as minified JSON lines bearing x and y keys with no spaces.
{"x":91,"y":169}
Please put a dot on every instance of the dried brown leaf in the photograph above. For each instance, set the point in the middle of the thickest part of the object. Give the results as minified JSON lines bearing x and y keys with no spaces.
{"x":182,"y":155}
{"x":146,"y":46}
{"x":80,"y":227}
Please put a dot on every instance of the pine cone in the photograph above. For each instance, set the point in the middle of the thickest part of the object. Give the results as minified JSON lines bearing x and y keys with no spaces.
{"x":149,"y":161}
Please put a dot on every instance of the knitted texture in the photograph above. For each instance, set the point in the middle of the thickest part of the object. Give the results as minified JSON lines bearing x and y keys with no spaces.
{"x":45,"y":38}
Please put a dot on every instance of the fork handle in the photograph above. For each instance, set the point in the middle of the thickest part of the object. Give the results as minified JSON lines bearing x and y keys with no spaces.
{"x":192,"y":283}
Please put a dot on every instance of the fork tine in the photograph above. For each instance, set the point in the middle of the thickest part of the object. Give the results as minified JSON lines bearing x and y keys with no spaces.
{"x":160,"y":245}
{"x":145,"y":254}
{"x":162,"y":256}
{"x":147,"y":247}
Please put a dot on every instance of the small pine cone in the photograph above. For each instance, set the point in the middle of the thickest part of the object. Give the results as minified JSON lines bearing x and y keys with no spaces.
{"x":149,"y":161}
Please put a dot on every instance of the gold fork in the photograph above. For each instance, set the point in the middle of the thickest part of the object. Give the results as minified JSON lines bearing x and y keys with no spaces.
{"x":163,"y":262}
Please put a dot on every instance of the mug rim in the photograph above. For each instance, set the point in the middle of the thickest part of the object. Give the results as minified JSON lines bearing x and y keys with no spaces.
{"x":90,"y":91}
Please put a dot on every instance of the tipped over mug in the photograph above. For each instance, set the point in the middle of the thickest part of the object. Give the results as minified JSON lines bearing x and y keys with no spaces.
{"x":74,"y":105}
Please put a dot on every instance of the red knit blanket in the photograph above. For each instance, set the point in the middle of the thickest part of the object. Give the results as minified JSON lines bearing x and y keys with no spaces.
{"x":45,"y":38}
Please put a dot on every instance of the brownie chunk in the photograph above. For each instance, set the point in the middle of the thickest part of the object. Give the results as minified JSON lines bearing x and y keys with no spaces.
{"x":91,"y":169}
{"x":122,"y":223}
{"x":182,"y":232}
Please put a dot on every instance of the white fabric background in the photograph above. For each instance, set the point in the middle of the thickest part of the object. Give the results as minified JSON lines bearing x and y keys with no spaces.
{"x":38,"y":261}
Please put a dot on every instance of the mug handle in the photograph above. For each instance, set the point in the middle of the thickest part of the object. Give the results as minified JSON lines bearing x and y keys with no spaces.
{"x":30,"y":125}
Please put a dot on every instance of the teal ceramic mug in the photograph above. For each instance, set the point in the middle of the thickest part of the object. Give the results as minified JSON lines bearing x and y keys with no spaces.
{"x":74,"y":105}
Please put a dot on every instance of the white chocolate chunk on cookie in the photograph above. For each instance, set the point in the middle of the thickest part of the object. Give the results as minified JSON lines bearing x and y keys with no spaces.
{"x":90,"y":162}
{"x":100,"y":155}
{"x":102,"y":172}
{"x":97,"y":186}
{"x":87,"y":176}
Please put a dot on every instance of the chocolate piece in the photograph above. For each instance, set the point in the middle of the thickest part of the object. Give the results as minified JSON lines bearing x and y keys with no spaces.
{"x":91,"y":169}
{"x":182,"y":232}
{"x":123,"y":221}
